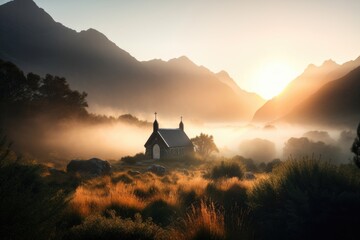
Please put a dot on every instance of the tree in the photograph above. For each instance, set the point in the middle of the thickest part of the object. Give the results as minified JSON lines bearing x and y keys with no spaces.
{"x":23,"y":96}
{"x":204,"y":145}
{"x":356,"y":148}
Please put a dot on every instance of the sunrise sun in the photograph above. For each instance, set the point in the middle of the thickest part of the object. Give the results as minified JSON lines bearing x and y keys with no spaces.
{"x":272,"y":77}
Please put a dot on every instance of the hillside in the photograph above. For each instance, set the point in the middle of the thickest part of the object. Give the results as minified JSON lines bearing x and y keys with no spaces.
{"x":311,"y":80}
{"x":337,"y":103}
{"x":111,"y":76}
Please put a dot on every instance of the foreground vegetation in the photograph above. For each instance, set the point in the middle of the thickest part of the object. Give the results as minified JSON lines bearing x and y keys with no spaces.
{"x":299,"y":199}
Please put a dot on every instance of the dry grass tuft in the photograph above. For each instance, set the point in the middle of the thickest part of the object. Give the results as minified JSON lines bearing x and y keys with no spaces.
{"x":205,"y":222}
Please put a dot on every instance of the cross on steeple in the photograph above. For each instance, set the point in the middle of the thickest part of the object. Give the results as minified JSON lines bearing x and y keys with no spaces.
{"x":156,"y":124}
{"x":181,"y":124}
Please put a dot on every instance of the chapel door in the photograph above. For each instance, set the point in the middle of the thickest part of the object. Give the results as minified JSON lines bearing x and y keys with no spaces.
{"x":156,"y":152}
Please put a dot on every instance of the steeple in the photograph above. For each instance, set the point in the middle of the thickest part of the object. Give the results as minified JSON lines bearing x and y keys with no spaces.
{"x":155,"y":124}
{"x":181,"y":124}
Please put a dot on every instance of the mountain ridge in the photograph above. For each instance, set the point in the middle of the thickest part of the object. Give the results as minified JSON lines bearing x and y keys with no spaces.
{"x":112,"y":77}
{"x":302,"y":87}
{"x":335,"y":104}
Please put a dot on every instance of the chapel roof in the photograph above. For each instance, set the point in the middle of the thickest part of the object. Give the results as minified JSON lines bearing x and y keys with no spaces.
{"x":174,"y":137}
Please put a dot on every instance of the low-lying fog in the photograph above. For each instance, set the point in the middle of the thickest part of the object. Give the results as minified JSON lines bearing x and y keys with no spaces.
{"x":75,"y":140}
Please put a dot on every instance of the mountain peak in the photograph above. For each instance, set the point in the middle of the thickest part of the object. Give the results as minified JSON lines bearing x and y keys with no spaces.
{"x":223,"y":74}
{"x":183,"y":60}
{"x":329,"y":63}
{"x":25,"y":13}
{"x":93,"y":33}
{"x":24,"y":3}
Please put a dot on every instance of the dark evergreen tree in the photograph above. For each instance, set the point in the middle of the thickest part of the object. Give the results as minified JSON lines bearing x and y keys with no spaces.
{"x":356,"y":148}
{"x":27,"y":96}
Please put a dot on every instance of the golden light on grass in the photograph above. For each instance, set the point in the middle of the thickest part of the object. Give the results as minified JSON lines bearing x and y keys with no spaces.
{"x":101,"y":193}
{"x":206,"y":220}
{"x":104,"y":193}
{"x":89,"y":198}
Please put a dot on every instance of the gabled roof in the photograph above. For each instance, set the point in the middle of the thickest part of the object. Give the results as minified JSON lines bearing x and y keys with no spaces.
{"x":174,"y":137}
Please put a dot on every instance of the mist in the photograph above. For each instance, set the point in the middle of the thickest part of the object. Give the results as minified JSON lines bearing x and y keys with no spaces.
{"x":76,"y":139}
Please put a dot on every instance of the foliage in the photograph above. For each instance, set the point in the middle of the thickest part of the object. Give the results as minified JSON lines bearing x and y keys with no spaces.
{"x":133,"y":159}
{"x":204,"y":145}
{"x":226,"y":170}
{"x":247,"y":163}
{"x":113,"y":227}
{"x":273,"y":165}
{"x":303,"y":147}
{"x":307,"y":199}
{"x":130,"y":119}
{"x":355,"y":148}
{"x":28,"y":205}
{"x":24,"y":96}
{"x":205,"y":222}
{"x":160,"y":212}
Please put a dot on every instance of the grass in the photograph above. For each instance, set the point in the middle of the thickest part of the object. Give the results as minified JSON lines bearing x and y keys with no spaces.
{"x":305,"y":199}
{"x":226,"y":170}
{"x":205,"y":222}
{"x":179,"y":200}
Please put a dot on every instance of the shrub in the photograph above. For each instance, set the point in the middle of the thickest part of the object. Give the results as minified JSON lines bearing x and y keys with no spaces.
{"x":188,"y":198}
{"x":98,"y":227}
{"x":28,"y":206}
{"x":307,"y":199}
{"x":226,"y":170}
{"x":248,"y":163}
{"x":273,"y":165}
{"x":160,"y":212}
{"x":122,"y":178}
{"x":133,"y":159}
{"x":233,"y":201}
{"x":145,"y":194}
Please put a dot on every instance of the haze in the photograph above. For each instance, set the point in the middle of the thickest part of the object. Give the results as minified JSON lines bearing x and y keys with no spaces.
{"x":249,"y":39}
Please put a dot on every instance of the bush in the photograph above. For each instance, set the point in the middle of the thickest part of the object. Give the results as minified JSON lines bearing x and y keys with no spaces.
{"x":307,"y":199}
{"x":146,"y":194}
{"x":122,"y":178}
{"x":226,"y":170}
{"x":160,"y":212}
{"x":98,"y":227}
{"x":248,"y":163}
{"x":133,"y":159}
{"x":28,"y":206}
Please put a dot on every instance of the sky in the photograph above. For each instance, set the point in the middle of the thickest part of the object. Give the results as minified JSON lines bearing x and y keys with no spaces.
{"x":262,"y":44}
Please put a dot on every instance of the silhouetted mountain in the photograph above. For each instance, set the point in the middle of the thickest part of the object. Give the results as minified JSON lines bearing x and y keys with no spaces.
{"x":302,"y":87}
{"x":337,"y":103}
{"x":112,"y":77}
{"x":254,"y":100}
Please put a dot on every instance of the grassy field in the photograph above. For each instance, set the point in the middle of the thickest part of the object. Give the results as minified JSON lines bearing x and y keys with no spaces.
{"x":299,"y":199}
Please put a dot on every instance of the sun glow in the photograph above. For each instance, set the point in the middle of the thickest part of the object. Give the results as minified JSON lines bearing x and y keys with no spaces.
{"x":272,"y":78}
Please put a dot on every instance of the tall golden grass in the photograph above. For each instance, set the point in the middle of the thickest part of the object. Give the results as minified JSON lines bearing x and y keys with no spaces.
{"x":99,"y":194}
{"x":205,"y":221}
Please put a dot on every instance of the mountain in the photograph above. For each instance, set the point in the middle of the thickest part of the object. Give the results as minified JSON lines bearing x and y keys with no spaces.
{"x":311,"y":80}
{"x":113,"y":78}
{"x":337,"y":103}
{"x":254,"y":100}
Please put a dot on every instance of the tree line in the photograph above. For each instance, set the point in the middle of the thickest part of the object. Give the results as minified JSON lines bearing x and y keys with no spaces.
{"x":23,"y":96}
